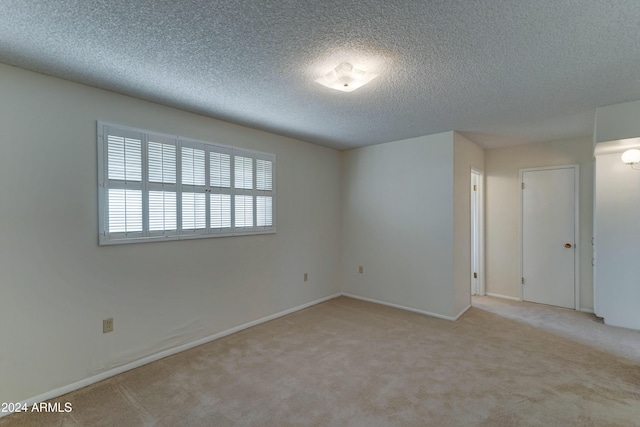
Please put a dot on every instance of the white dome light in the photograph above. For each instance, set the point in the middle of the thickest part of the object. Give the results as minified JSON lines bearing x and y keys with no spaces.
{"x":631,"y":157}
{"x":346,"y":78}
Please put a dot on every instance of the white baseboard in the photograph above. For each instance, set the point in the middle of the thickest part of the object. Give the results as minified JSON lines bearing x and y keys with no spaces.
{"x":402,"y":307}
{"x":157,"y":356}
{"x":586,"y":310}
{"x":459,"y":315}
{"x":503,"y":297}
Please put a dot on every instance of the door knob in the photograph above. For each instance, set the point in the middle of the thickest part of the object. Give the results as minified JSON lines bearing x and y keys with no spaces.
{"x":567,"y":245}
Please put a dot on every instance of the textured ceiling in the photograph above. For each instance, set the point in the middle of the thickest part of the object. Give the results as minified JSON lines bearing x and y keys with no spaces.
{"x":503,"y":72}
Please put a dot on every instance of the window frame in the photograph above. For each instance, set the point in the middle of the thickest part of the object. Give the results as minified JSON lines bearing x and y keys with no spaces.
{"x":104,"y":129}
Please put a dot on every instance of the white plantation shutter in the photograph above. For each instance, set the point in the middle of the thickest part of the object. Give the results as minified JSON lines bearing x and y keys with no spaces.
{"x":194,"y":177}
{"x":220,"y":169}
{"x":264,"y":175}
{"x":162,"y":211}
{"x":124,"y":183}
{"x":162,"y":162}
{"x":153,"y":186}
{"x":220,"y":205}
{"x":193,"y":211}
{"x":193,"y":170}
{"x":124,"y":158}
{"x":162,"y":173}
{"x":244,"y":211}
{"x":243,"y":167}
{"x":264,"y":211}
{"x":125,"y":210}
{"x":220,"y":189}
{"x":264,"y":197}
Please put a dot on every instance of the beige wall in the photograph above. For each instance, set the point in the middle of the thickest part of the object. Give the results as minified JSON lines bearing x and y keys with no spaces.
{"x":467,"y":155}
{"x":57,"y":284}
{"x":398,"y":223}
{"x":502,"y":186}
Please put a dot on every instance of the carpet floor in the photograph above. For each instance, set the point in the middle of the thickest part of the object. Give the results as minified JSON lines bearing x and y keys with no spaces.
{"x":575,"y":325}
{"x":347,"y":362}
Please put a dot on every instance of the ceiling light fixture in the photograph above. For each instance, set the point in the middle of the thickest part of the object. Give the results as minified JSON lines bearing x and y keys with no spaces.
{"x":631,"y":157}
{"x":346,"y":78}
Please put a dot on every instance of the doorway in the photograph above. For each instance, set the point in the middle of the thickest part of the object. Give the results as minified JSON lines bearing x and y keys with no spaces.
{"x":549,"y":235}
{"x":477,"y":232}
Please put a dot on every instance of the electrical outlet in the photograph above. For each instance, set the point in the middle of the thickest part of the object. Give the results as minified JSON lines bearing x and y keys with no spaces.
{"x":306,"y":277}
{"x":107,"y":325}
{"x":360,"y":269}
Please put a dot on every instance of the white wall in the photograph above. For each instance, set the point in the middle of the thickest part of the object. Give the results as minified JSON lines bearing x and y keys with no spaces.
{"x":619,"y":121}
{"x":398,"y":223}
{"x":466,"y":155}
{"x":502,"y":187}
{"x":57,"y":284}
{"x":617,"y":212}
{"x":617,"y":242}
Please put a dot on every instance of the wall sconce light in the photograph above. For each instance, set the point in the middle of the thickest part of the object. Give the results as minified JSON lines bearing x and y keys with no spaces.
{"x":346,"y":78}
{"x":631,"y":158}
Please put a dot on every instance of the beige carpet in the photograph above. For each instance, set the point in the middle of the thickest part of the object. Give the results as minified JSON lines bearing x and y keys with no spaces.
{"x":352,"y":363}
{"x":575,"y":325}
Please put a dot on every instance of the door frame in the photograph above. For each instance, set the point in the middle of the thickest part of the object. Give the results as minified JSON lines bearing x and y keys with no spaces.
{"x":576,"y":222}
{"x":479,"y":250}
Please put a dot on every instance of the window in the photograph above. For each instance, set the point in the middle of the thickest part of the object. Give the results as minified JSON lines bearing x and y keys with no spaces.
{"x":159,"y":187}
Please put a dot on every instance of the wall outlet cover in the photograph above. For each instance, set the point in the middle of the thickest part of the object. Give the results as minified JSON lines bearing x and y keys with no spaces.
{"x":107,"y":325}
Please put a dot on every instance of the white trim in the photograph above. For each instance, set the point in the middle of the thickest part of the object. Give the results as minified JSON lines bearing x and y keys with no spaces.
{"x":480,"y":283}
{"x":594,"y":248}
{"x":576,"y":226}
{"x":177,"y":237}
{"x":586,"y":310}
{"x":576,"y":233}
{"x":403,"y":307}
{"x":503,"y":297}
{"x":160,"y":355}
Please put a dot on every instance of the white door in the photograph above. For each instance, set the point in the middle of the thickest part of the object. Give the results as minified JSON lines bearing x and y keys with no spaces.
{"x":549,"y":208}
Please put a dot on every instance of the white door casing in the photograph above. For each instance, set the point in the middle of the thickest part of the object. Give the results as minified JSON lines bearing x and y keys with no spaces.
{"x":549,"y":232}
{"x":477,"y":233}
